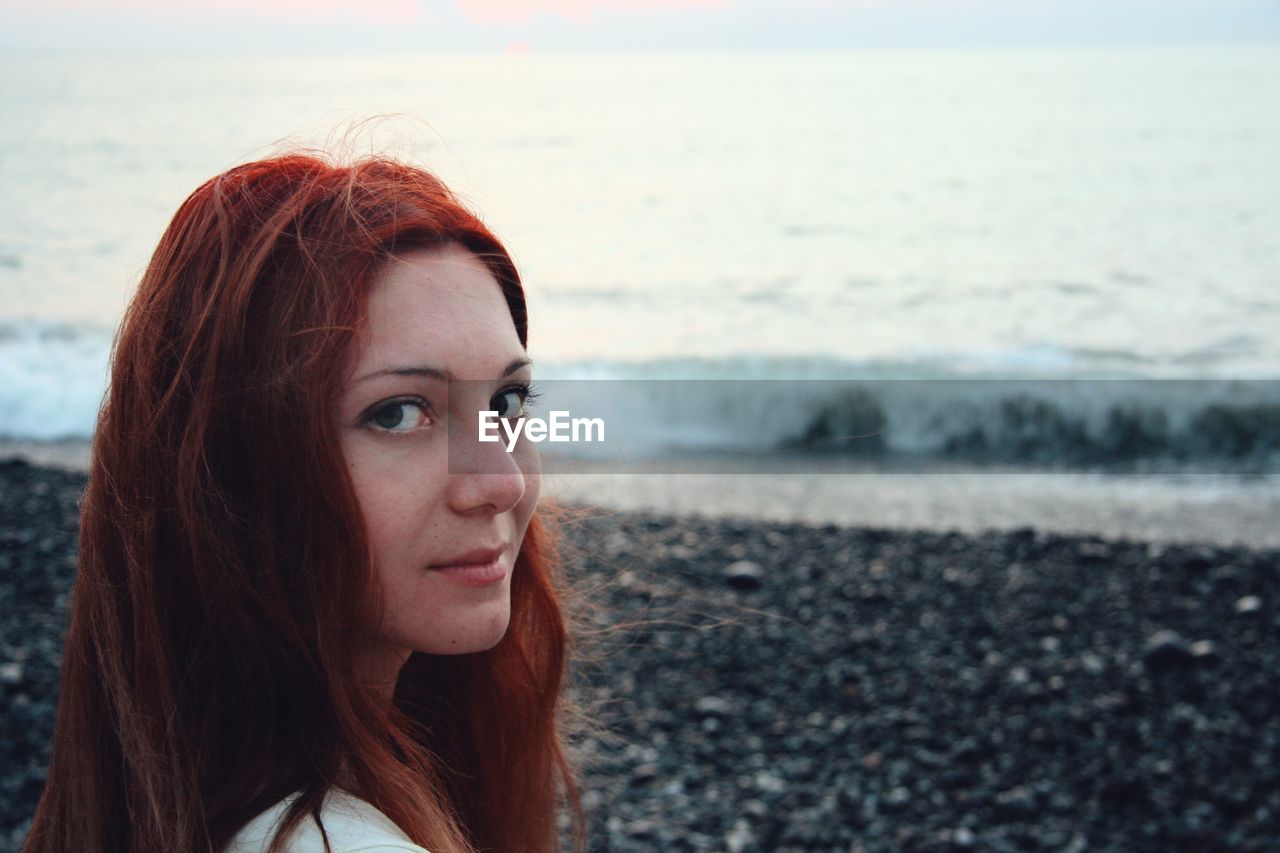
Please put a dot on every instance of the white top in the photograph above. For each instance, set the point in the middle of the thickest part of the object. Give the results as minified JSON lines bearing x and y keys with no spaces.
{"x":353,"y":826}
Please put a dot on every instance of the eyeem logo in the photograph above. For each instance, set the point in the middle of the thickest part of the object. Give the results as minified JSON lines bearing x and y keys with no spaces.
{"x":560,"y":428}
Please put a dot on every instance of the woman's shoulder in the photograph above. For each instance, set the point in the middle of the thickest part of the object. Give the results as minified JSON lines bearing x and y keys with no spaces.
{"x":353,"y":826}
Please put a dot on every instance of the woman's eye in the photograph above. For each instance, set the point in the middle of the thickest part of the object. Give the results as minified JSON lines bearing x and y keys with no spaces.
{"x":399,"y":416}
{"x":510,"y":403}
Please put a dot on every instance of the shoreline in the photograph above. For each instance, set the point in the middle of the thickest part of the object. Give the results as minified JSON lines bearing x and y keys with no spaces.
{"x":1217,"y":509}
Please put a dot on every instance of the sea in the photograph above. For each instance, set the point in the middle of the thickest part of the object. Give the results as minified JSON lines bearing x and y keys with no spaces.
{"x":1031,"y":217}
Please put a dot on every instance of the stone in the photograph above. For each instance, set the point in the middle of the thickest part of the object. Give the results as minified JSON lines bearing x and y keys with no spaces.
{"x":1165,"y":650}
{"x":11,"y":673}
{"x":713,"y":706}
{"x":1248,"y":604}
{"x":744,"y":575}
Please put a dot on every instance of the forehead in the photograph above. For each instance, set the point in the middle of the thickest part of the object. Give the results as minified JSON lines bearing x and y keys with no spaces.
{"x":441,"y":308}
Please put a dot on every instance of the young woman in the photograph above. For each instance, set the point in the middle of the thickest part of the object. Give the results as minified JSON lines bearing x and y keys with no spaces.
{"x":303,"y":619}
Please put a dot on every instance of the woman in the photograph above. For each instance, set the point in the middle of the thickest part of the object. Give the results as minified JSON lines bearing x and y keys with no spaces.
{"x":300,"y":618}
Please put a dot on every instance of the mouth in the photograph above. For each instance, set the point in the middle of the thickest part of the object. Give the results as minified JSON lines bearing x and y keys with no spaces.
{"x":479,"y":567}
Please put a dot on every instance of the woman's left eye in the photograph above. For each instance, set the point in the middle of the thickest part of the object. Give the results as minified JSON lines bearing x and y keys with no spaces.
{"x":510,"y":402}
{"x":399,"y":416}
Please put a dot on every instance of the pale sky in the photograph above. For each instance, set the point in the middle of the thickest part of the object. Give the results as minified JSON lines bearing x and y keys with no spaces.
{"x":412,"y":25}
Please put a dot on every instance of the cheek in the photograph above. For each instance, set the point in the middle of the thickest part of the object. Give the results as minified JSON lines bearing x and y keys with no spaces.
{"x":383,"y":517}
{"x":395,"y":496}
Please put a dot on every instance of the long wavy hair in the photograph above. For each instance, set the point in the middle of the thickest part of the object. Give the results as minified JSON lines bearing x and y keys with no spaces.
{"x":223,"y":563}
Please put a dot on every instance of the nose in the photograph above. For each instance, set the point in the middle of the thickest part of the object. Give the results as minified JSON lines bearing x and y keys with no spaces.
{"x":493,"y":486}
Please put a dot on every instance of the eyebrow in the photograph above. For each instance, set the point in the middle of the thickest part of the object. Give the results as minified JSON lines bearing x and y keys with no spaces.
{"x":437,"y":372}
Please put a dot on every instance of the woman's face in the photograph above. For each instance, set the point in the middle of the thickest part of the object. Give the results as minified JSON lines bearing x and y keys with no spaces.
{"x":444,"y":544}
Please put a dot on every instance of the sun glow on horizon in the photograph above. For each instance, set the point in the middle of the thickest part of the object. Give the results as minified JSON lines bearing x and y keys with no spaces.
{"x":518,"y":26}
{"x":250,"y":11}
{"x":511,"y":12}
{"x":484,"y":12}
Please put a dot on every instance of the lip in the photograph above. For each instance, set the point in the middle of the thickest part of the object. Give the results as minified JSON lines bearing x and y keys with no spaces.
{"x":479,"y":567}
{"x":474,"y":557}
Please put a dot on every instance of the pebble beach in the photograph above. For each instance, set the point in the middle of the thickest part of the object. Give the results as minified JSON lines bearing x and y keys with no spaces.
{"x":757,"y":685}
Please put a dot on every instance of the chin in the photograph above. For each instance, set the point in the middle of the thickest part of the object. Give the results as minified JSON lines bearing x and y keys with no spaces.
{"x":480,"y":634}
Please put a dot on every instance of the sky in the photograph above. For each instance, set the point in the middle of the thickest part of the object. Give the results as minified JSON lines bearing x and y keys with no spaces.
{"x":611,"y":25}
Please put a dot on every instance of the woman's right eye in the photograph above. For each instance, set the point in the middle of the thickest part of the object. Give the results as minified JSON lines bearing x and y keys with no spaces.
{"x":399,"y":416}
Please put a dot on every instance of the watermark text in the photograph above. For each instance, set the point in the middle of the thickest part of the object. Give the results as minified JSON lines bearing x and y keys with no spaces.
{"x":559,"y":428}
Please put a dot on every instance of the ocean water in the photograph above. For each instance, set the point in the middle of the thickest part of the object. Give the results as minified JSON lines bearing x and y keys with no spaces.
{"x":926,"y":215}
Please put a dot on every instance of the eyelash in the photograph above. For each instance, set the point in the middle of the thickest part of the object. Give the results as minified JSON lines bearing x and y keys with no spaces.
{"x":367,"y":419}
{"x":527,"y":392}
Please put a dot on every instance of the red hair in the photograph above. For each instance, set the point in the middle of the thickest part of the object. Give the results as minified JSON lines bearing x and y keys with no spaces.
{"x":223,"y":560}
